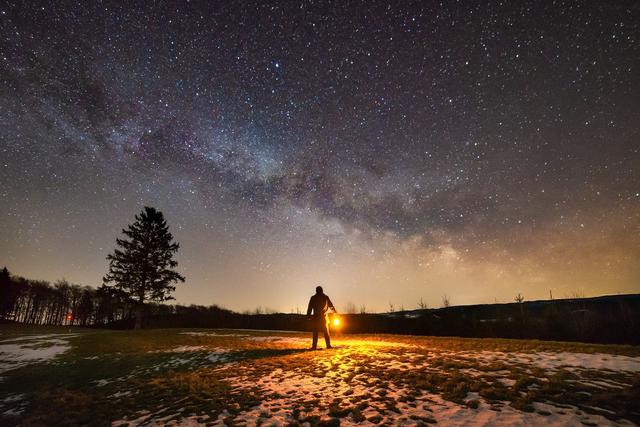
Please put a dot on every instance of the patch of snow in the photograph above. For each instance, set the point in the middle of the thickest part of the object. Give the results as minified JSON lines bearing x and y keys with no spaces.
{"x":213,"y":334}
{"x":580,"y":360}
{"x":120,"y":394}
{"x":142,"y":419}
{"x":13,"y":404}
{"x":26,"y":350}
{"x":103,"y":382}
{"x":12,"y":398}
{"x":508,"y":382}
{"x":283,"y":340}
{"x":262,"y":339}
{"x":38,"y":337}
{"x":194,"y":356}
{"x":185,"y":349}
{"x":214,"y":357}
{"x":452,"y":414}
{"x":271,"y":331}
{"x":286,"y":393}
{"x":14,"y":411}
{"x":552,"y":361}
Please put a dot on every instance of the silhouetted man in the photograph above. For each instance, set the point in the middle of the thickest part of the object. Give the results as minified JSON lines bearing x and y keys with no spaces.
{"x":320,"y":305}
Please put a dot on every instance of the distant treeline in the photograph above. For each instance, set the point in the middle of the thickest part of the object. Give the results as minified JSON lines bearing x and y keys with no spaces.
{"x":608,"y":319}
{"x":41,"y":303}
{"x":613,"y":319}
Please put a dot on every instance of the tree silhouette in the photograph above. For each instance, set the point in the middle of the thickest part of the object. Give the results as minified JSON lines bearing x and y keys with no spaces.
{"x":142,"y":268}
{"x":8,"y":294}
{"x":519,"y":299}
{"x":446,"y":302}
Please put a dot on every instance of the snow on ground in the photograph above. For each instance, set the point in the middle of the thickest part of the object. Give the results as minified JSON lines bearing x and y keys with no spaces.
{"x":452,"y":414}
{"x":293,"y":395}
{"x":193,"y":359}
{"x":285,"y":390}
{"x":304,"y":343}
{"x":214,"y":334}
{"x":554,"y":361}
{"x":196,"y":355}
{"x":38,"y":337}
{"x":281,"y":340}
{"x":21,"y":351}
{"x":184,"y":349}
{"x":13,"y":404}
{"x":599,"y":361}
{"x":360,"y":382}
{"x":189,"y":356}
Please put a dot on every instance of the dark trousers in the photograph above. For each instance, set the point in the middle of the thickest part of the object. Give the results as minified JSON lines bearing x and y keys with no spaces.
{"x":321,"y":324}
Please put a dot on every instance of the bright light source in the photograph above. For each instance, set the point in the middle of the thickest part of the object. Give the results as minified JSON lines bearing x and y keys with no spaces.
{"x":336,"y":322}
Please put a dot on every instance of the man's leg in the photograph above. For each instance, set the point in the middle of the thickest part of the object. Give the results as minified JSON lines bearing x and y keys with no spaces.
{"x":327,"y":337}
{"x":314,"y":344}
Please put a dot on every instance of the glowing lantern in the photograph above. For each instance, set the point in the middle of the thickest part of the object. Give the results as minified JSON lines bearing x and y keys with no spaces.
{"x":69,"y":316}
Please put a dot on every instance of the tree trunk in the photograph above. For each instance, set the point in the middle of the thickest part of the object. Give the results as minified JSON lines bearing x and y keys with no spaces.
{"x":139,"y":312}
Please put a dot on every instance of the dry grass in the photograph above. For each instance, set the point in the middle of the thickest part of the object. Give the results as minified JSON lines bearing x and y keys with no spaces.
{"x":175,"y":375}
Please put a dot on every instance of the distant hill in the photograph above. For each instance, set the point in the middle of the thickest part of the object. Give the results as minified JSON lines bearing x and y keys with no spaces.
{"x":603,"y":319}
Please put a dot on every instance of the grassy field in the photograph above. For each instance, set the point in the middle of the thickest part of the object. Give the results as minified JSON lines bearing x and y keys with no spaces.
{"x":62,"y":376}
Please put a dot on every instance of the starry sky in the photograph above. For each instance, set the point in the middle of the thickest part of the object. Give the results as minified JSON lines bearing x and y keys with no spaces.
{"x":390,"y":151}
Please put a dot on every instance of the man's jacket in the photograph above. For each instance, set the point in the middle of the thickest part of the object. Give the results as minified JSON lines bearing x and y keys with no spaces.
{"x":319,"y":304}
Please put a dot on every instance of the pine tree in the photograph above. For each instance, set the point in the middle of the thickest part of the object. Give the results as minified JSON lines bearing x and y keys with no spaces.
{"x":142,"y":267}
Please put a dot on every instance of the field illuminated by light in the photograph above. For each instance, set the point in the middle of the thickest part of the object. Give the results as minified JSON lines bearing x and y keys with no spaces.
{"x":236,"y":377}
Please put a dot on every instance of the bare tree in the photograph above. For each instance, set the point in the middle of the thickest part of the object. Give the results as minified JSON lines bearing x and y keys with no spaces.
{"x":519,"y":298}
{"x":577,"y":294}
{"x":391,"y":307}
{"x":363,"y":309}
{"x":350,"y":308}
{"x":422,"y":305}
{"x":446,"y":302}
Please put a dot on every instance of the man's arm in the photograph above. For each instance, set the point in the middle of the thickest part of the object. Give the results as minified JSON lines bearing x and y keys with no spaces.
{"x":331,"y":305}
{"x":309,"y":307}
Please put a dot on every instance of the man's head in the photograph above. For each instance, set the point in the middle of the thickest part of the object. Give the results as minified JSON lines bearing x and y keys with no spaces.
{"x":318,"y":289}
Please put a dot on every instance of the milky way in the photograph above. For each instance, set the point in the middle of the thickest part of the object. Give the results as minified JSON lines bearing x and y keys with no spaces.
{"x":390,"y":151}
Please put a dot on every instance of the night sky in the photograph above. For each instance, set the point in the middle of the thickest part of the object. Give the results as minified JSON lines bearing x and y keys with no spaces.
{"x":388,"y":151}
